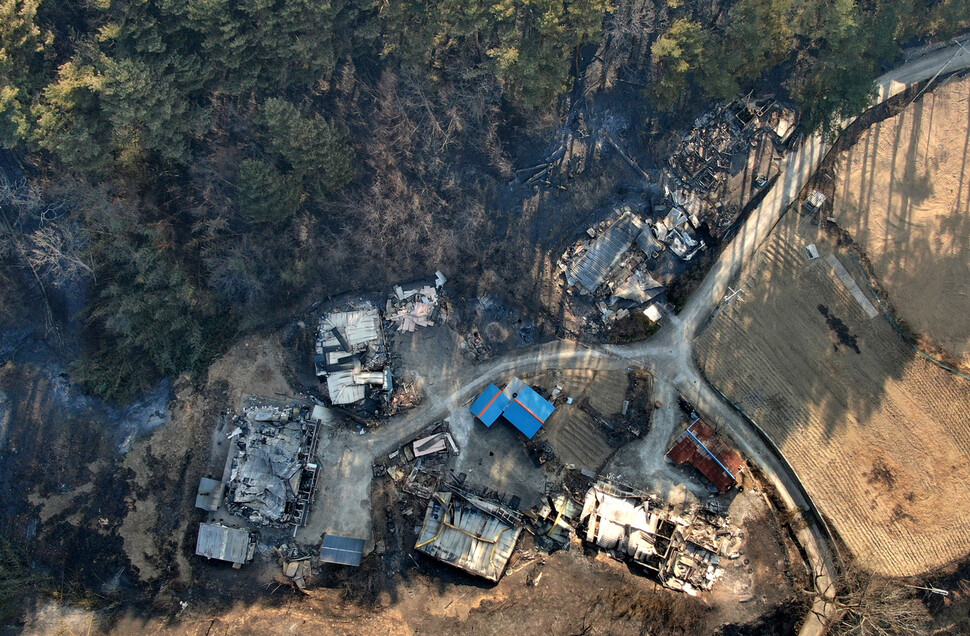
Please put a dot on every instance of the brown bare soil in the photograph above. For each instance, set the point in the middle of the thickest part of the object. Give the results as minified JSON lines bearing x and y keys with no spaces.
{"x":879,"y":436}
{"x":903,"y":194}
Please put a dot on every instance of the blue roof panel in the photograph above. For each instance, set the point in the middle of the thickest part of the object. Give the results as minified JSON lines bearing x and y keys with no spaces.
{"x":535,"y":403}
{"x":489,"y":405}
{"x":521,"y":419}
{"x":528,"y":412}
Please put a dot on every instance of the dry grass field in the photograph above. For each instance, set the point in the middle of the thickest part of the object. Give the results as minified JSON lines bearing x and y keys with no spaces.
{"x":903,"y":194}
{"x":879,"y":436}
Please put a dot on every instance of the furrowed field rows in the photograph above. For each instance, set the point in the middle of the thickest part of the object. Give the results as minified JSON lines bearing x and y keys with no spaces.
{"x":879,"y":436}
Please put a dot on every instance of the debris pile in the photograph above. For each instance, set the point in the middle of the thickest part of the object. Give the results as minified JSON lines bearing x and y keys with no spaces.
{"x":405,"y":396}
{"x":705,"y":158}
{"x":422,"y":465}
{"x":676,"y":231}
{"x":414,"y":307}
{"x":681,"y":545}
{"x":272,"y":471}
{"x":476,"y":347}
{"x":556,"y":518}
{"x":351,"y":353}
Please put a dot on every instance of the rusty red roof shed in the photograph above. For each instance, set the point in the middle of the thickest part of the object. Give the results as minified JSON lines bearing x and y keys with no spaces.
{"x":703,"y":449}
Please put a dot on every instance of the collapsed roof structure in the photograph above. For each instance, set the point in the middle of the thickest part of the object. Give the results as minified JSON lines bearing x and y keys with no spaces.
{"x":701,"y":447}
{"x":273,"y":471}
{"x":676,"y":231}
{"x":352,"y":355}
{"x":591,"y":266}
{"x":608,"y":268}
{"x":682,"y":547}
{"x":470,"y":533}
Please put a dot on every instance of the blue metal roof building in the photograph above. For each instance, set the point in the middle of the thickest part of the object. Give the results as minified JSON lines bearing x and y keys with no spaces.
{"x":489,"y":405}
{"x":525,"y":409}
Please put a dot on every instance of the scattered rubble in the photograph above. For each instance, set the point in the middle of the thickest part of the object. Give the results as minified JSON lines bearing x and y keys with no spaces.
{"x":697,"y":174}
{"x":415,"y":307}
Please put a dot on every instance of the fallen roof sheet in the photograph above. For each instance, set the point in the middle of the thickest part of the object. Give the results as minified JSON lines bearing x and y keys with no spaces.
{"x":489,"y":405}
{"x":592,"y":268}
{"x":341,"y":550}
{"x":703,"y":449}
{"x":640,"y":287}
{"x":343,"y":389}
{"x":223,"y":543}
{"x":467,"y":532}
{"x":209,"y":494}
{"x":648,"y":243}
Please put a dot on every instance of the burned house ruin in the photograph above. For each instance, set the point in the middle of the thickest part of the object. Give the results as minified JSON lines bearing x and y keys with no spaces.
{"x":351,"y":354}
{"x":680,"y":545}
{"x":736,"y":148}
{"x":272,"y":468}
{"x":470,"y":533}
{"x":612,"y":267}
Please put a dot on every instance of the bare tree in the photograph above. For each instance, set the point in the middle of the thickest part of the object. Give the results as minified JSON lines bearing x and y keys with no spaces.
{"x":870,"y":604}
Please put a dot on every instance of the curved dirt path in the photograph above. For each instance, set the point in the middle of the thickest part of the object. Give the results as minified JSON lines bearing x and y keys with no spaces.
{"x":344,"y":491}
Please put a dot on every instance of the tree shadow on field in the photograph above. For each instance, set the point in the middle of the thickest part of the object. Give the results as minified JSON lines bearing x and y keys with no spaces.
{"x":870,"y":424}
{"x":785,"y":353}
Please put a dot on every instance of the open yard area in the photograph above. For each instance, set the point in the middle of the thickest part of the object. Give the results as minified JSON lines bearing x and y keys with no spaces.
{"x":903,"y":194}
{"x":879,"y":436}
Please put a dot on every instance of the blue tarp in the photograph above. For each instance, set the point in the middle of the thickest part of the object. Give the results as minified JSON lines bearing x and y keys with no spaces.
{"x":489,"y":405}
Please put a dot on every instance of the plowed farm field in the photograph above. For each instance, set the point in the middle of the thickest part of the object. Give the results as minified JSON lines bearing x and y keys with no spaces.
{"x":879,"y":436}
{"x":903,"y":194}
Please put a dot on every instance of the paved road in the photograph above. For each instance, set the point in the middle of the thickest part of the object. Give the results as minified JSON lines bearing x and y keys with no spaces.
{"x":343,"y":501}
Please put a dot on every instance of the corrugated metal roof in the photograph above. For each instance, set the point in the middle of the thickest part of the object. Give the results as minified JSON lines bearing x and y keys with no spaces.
{"x":223,"y":543}
{"x":461,"y":531}
{"x":700,"y":446}
{"x":350,"y":330}
{"x":525,"y":409}
{"x":341,"y":550}
{"x":489,"y":405}
{"x":590,"y":269}
{"x":528,"y":412}
{"x":343,"y":389}
{"x":647,"y":243}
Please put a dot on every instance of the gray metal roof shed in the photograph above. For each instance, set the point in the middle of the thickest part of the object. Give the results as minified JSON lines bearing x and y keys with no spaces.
{"x":221,"y":542}
{"x":209,"y":495}
{"x":341,"y":550}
